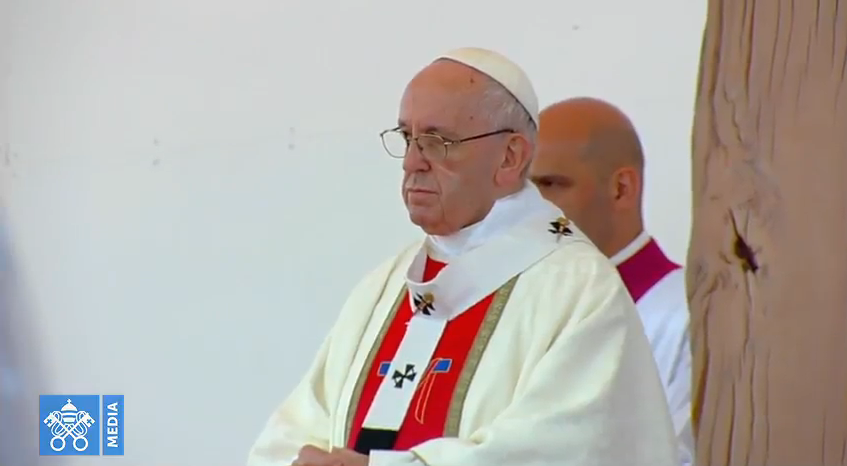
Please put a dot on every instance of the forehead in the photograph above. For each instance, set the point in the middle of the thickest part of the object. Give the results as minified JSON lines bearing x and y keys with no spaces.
{"x":441,"y":95}
{"x":559,"y":155}
{"x":562,"y":142}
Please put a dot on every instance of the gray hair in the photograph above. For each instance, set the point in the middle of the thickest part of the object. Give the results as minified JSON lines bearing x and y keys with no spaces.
{"x":504,"y":111}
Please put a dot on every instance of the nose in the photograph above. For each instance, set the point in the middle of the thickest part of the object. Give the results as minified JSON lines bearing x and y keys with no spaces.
{"x":414,"y":160}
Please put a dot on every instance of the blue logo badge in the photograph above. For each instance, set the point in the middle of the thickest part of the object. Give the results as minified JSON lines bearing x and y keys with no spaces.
{"x":76,"y":424}
{"x":113,"y":425}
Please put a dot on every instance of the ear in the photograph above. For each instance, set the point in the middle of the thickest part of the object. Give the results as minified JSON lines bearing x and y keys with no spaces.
{"x":515,"y":161}
{"x":625,"y":187}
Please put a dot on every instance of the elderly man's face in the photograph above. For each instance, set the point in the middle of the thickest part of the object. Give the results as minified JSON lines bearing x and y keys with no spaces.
{"x":445,"y":194}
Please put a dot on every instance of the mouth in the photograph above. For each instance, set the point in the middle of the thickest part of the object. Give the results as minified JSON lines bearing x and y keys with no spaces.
{"x":420,"y":191}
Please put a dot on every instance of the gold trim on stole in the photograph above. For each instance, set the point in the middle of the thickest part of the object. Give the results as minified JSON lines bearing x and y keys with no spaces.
{"x":489,"y":323}
{"x":457,"y":402}
{"x":353,"y":407}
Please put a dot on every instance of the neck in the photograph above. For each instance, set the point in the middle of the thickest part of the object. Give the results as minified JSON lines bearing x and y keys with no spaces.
{"x":506,"y":192}
{"x":629,"y":248}
{"x":625,"y":229}
{"x":505,"y":213}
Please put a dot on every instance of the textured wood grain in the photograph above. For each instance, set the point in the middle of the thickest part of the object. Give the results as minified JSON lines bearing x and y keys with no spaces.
{"x":767,"y":264}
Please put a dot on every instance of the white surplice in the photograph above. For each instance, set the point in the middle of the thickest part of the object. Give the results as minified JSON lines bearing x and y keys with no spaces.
{"x":567,"y":377}
{"x":664,"y":313}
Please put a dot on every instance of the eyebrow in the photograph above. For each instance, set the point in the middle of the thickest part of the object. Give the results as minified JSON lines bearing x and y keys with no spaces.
{"x":431,"y":130}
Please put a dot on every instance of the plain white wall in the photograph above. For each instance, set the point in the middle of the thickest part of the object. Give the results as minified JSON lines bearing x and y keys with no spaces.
{"x":190,"y":188}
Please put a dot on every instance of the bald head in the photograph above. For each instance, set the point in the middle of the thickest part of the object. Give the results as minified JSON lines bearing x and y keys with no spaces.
{"x":593,"y":129}
{"x":590,"y":163}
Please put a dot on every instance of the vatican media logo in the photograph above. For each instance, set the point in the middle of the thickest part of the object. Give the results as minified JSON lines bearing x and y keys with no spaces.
{"x":81,"y":424}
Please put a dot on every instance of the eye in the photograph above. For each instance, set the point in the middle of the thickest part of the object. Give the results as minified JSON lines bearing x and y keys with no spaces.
{"x":430,"y":141}
{"x":554,"y":182}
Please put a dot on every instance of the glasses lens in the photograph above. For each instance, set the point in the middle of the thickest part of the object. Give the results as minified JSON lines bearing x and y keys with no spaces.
{"x":432,"y":147}
{"x":395,"y":144}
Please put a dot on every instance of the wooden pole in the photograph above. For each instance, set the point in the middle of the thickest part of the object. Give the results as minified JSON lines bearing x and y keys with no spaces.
{"x":767,"y":262}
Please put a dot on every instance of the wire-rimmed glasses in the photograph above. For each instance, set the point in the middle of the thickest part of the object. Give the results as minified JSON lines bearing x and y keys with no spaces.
{"x":431,"y":146}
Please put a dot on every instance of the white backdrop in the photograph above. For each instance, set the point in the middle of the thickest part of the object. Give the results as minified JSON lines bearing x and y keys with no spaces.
{"x":191,"y":187}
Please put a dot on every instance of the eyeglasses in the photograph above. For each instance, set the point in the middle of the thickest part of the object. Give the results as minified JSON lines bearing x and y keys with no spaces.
{"x":431,"y":146}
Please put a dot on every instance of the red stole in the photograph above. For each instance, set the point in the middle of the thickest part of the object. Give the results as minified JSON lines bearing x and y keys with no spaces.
{"x":427,"y":415}
{"x":644,"y":269}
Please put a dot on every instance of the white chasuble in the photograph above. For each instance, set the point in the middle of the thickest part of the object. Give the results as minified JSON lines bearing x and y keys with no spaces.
{"x":464,"y":282}
{"x":565,"y":378}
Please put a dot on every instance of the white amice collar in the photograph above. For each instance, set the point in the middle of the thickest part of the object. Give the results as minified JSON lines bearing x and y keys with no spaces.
{"x":505,"y":213}
{"x":636,"y":245}
{"x":514,"y":236}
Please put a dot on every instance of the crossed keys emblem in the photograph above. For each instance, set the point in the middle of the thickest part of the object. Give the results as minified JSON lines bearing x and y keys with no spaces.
{"x":424,"y":303}
{"x":69,"y":422}
{"x":561,"y":227}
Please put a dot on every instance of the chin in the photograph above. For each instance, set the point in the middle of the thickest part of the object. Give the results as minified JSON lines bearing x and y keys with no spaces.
{"x":418,"y":219}
{"x":424,"y":222}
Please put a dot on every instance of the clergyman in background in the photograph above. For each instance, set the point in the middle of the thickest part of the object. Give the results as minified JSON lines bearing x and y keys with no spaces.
{"x":590,"y":163}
